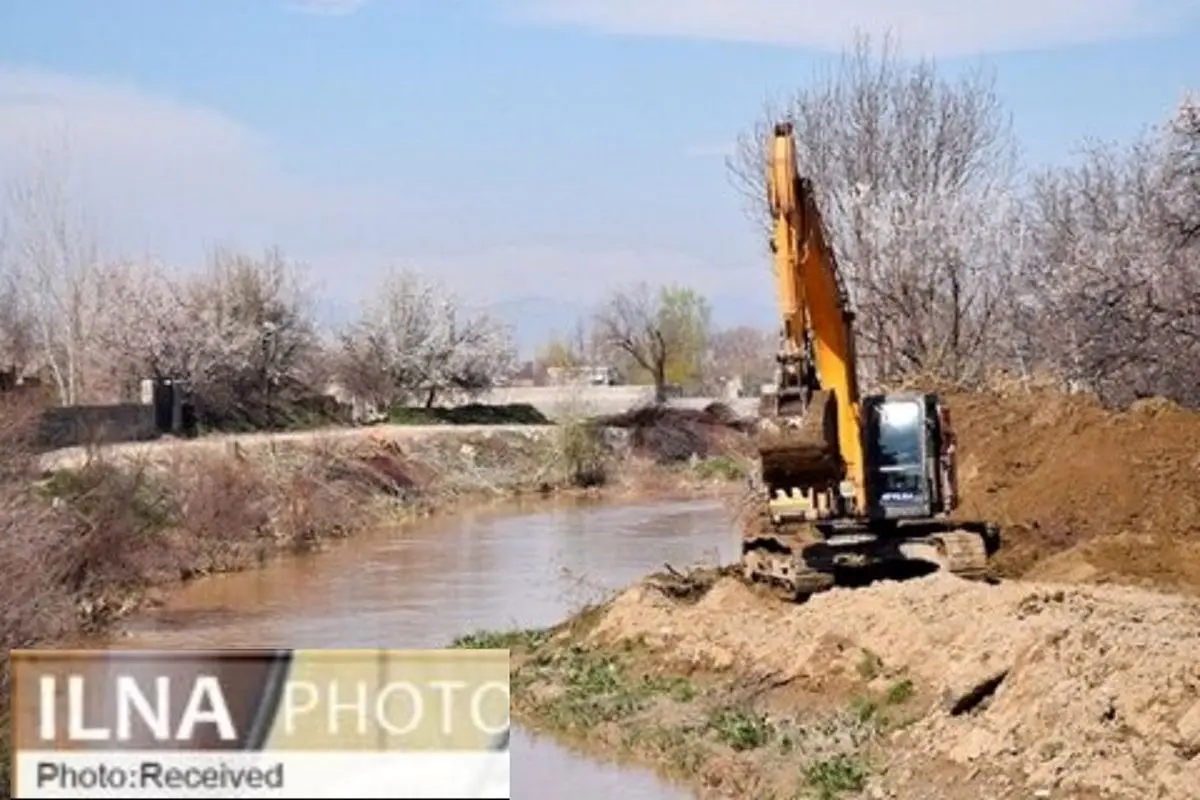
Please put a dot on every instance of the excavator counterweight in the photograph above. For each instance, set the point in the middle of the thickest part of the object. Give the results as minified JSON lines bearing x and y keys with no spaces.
{"x":847,"y":486}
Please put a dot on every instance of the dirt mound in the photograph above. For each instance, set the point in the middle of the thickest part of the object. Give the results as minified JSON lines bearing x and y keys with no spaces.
{"x":1083,"y":492}
{"x":1027,"y":686}
{"x":668,"y":434}
{"x":470,"y":414}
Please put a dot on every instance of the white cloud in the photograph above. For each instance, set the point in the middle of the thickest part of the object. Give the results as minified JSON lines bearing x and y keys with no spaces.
{"x":161,"y":176}
{"x":328,"y":8}
{"x":942,"y":27}
{"x":174,"y":178}
{"x":129,"y":154}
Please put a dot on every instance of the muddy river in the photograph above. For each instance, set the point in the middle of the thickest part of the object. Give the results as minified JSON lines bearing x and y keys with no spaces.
{"x":425,"y":584}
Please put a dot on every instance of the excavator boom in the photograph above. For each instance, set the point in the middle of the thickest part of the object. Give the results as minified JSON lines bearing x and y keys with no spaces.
{"x":817,"y":330}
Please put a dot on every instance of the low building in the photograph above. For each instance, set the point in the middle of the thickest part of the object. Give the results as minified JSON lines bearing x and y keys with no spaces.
{"x":602,"y":375}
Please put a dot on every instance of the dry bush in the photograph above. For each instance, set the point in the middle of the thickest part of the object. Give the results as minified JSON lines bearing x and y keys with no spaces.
{"x":35,"y":605}
{"x":583,"y":455}
{"x":224,"y":519}
{"x":499,"y":463}
{"x":384,"y":468}
{"x":120,"y":516}
{"x":581,"y":458}
{"x":326,"y":498}
{"x":33,"y":602}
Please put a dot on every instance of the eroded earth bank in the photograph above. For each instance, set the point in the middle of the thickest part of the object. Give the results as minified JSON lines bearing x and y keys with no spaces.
{"x":1047,"y":684}
{"x":91,"y":537}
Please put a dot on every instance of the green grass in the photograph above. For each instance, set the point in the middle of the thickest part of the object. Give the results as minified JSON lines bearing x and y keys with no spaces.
{"x":723,"y":468}
{"x":900,"y":692}
{"x":528,"y":639}
{"x":603,"y":697}
{"x":835,"y":776}
{"x":587,"y":687}
{"x":864,"y":709}
{"x":741,"y":729}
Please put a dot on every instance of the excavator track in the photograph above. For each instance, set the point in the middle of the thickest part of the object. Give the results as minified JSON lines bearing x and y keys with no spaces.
{"x":795,"y":560}
{"x":773,"y":553}
{"x":964,"y":553}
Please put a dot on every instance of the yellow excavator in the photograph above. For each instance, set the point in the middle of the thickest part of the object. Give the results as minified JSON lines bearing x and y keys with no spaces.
{"x":848,"y":488}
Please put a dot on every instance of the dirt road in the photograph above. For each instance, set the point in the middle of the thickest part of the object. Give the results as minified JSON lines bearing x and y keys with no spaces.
{"x":74,"y":456}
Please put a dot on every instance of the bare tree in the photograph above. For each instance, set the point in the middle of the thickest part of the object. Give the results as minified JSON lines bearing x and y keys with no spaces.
{"x":1183,"y":171}
{"x":415,"y":341}
{"x":574,"y":349}
{"x":745,"y":353}
{"x":18,"y":328}
{"x":1115,"y":300}
{"x":913,"y":173}
{"x":54,"y":263}
{"x":664,"y":331}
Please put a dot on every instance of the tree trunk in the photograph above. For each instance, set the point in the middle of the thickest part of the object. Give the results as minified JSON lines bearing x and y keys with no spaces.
{"x":429,"y":398}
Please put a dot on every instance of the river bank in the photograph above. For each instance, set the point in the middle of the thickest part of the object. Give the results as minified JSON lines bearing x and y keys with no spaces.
{"x":177,"y":511}
{"x":934,"y":688}
{"x":92,"y":542}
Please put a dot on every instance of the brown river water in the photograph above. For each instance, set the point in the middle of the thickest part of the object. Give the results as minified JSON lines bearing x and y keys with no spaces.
{"x":422,"y":585}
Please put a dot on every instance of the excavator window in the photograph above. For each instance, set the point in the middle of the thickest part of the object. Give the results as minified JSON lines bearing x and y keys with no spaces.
{"x":900,"y":434}
{"x":895,"y":468}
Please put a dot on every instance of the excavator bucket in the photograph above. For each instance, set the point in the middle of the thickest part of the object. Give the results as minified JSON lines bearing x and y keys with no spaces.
{"x":797,"y":448}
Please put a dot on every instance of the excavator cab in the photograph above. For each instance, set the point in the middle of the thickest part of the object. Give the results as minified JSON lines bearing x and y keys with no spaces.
{"x":909,"y":458}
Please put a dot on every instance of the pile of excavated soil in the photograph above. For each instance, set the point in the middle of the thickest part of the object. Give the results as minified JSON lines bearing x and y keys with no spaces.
{"x":668,"y":434}
{"x":1076,"y":690}
{"x":1083,"y":493}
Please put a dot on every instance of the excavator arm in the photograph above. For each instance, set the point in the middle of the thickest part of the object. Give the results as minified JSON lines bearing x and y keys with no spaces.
{"x":851,"y":483}
{"x":817,"y":395}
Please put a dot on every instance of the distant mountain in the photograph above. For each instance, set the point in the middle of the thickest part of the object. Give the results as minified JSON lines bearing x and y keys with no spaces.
{"x":535,"y":319}
{"x":756,"y":310}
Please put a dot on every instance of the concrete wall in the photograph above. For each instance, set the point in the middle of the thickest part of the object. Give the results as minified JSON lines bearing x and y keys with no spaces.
{"x":72,"y":426}
{"x":562,"y":401}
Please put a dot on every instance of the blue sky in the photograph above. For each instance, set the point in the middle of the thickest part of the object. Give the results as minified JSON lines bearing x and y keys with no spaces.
{"x":531,"y":153}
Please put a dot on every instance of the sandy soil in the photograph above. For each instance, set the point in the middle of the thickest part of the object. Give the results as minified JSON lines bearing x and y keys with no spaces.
{"x":1077,"y":676}
{"x":1017,"y":690}
{"x":1085,"y":494}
